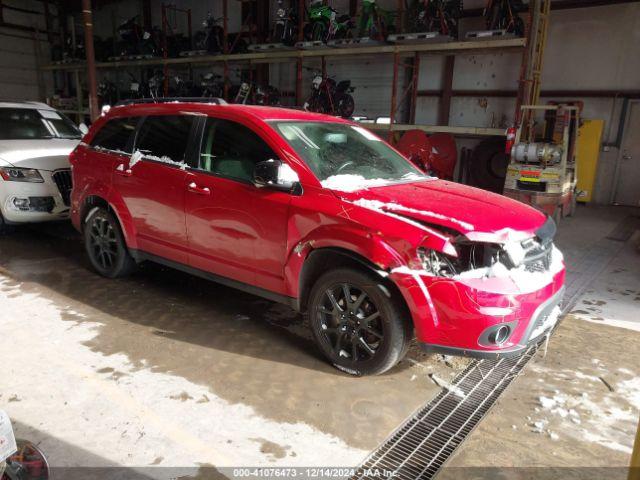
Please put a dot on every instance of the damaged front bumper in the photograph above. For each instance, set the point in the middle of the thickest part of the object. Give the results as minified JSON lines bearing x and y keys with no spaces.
{"x":483,"y":318}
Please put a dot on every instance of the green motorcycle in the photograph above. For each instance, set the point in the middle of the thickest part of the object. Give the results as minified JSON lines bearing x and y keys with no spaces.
{"x":324,"y":23}
{"x":375,"y":22}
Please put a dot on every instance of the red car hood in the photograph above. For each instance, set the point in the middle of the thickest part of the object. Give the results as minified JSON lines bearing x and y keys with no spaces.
{"x":478,"y":214}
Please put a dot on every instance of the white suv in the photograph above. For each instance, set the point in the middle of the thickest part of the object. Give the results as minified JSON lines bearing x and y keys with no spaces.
{"x":35,"y":177}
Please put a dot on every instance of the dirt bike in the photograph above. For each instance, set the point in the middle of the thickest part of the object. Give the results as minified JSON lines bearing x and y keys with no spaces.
{"x":503,"y":15}
{"x":135,"y":40}
{"x":375,"y":22}
{"x":212,"y":85}
{"x":285,"y":29}
{"x":211,"y":39}
{"x":268,"y":95}
{"x":330,"y":97}
{"x":436,"y":16}
{"x":107,"y":93}
{"x":325,"y":24}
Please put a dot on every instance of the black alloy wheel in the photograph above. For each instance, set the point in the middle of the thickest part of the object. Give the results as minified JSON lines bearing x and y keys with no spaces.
{"x":105,"y":245}
{"x":358,"y":326}
{"x":350,"y":322}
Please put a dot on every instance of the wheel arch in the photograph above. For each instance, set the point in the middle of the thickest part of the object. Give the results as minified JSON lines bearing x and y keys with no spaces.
{"x":98,"y":201}
{"x":320,"y":260}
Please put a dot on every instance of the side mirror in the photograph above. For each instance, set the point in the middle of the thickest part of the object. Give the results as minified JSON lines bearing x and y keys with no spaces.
{"x":83,"y":128}
{"x":277,"y":175}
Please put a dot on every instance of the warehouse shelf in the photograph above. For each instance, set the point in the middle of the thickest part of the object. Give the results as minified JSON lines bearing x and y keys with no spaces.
{"x":457,"y":131}
{"x":448,"y":48}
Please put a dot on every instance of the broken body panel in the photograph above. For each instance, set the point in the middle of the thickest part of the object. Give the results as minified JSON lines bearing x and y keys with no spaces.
{"x":393,"y":229}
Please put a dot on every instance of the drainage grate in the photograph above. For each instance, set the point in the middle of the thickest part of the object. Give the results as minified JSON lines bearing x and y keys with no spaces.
{"x":420,"y":447}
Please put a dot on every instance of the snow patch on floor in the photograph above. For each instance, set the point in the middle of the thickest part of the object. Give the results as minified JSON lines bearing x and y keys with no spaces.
{"x":125,"y":414}
{"x":591,"y":412}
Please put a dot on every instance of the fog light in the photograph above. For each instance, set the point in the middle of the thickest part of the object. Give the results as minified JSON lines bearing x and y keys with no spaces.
{"x":499,"y":335}
{"x":21,"y":203}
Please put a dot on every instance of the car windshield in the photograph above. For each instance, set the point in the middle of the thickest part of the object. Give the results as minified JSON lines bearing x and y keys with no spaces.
{"x":27,"y":124}
{"x":347,"y":157}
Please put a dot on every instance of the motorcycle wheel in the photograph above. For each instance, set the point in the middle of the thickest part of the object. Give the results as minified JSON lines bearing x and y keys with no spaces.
{"x":318,"y":32}
{"x":346,"y":106}
{"x":278,"y":33}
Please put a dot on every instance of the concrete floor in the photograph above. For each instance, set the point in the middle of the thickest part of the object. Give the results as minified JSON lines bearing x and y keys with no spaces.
{"x":166,"y":370}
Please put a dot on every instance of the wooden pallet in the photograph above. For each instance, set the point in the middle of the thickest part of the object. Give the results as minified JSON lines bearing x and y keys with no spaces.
{"x":354,"y":42}
{"x":419,"y":37}
{"x":488,"y":35}
{"x":269,"y":47}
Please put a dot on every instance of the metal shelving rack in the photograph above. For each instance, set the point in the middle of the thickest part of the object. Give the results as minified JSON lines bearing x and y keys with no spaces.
{"x":399,"y":52}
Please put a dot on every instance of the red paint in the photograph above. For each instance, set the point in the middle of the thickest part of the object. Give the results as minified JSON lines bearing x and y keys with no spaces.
{"x":263,"y":237}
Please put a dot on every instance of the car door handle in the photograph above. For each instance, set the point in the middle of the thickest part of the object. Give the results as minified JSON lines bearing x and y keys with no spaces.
{"x":192,"y":187}
{"x":122,"y":170}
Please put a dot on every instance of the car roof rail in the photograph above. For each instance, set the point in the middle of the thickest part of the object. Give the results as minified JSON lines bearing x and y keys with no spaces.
{"x":134,"y":101}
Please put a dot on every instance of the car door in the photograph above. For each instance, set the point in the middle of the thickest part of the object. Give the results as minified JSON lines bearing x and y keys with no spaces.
{"x":110,"y":146}
{"x":151,"y":184}
{"x":235,"y":229}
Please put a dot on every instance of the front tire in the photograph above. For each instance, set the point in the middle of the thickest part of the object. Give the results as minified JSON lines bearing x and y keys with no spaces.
{"x":105,"y":245}
{"x":4,"y":228}
{"x":356,"y":325}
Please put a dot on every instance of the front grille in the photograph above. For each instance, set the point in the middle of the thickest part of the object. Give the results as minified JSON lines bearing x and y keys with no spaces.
{"x":41,"y":204}
{"x":537,"y":256}
{"x":63,"y":182}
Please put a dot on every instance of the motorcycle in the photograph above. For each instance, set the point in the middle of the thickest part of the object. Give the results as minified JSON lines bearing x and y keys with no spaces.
{"x":212,"y":85}
{"x":135,"y":40}
{"x":269,"y":96}
{"x":211,"y":39}
{"x":436,"y":16}
{"x":285,"y":29}
{"x":330,"y":97}
{"x":325,"y":24}
{"x":503,"y":15}
{"x":19,"y":460}
{"x":107,"y":93}
{"x":375,"y":22}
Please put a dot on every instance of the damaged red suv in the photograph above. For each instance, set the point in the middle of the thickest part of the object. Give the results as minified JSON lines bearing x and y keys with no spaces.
{"x":318,"y":213}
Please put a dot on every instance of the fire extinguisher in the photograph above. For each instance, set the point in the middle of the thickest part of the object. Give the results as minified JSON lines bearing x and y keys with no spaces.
{"x":511,"y":138}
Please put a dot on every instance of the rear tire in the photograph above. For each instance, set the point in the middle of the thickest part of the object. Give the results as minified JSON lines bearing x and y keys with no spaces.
{"x":362,"y":333}
{"x":105,"y":245}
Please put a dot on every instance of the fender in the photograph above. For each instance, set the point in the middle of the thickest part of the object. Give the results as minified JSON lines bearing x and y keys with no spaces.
{"x":117,"y":206}
{"x":344,"y":237}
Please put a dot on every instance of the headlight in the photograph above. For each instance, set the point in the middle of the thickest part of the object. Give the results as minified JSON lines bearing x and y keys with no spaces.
{"x":13,"y":174}
{"x":281,"y":13}
{"x":437,"y":263}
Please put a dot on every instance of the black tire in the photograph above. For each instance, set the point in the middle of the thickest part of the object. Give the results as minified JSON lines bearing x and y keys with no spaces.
{"x":318,"y":32}
{"x":4,"y":228}
{"x":105,"y":245}
{"x":346,"y":106}
{"x":371,"y":326}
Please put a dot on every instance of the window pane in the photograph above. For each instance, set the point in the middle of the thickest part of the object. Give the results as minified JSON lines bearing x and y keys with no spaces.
{"x":22,"y":124}
{"x":116,"y":134}
{"x":232,"y":150}
{"x":165,"y":136}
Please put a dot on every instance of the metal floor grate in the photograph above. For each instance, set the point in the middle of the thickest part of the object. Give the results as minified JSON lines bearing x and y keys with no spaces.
{"x":420,"y":447}
{"x":425,"y":441}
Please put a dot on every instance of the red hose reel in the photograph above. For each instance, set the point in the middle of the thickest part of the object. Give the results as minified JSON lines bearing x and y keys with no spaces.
{"x":436,"y":154}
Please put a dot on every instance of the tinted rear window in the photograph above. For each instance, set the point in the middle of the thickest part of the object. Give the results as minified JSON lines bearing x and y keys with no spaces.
{"x":165,"y":136}
{"x":116,"y":135}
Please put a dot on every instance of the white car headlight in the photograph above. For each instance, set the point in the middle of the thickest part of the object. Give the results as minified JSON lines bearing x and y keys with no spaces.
{"x":436,"y":263}
{"x":14,"y":174}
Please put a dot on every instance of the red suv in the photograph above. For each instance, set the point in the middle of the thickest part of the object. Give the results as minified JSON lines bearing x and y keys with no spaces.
{"x":318,"y":213}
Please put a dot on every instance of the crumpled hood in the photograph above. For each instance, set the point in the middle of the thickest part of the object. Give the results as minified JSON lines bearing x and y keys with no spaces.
{"x":45,"y":154}
{"x":478,"y":214}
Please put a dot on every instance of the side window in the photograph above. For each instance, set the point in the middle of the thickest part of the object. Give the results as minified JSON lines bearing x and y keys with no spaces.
{"x":116,"y":134}
{"x":165,"y":136}
{"x":231,"y":150}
